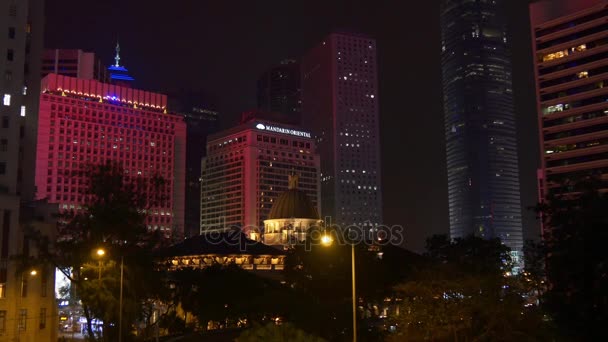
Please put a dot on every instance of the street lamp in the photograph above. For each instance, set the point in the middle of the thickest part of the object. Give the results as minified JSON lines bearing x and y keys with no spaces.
{"x":101,"y":252}
{"x":327,"y":240}
{"x":120,"y":301}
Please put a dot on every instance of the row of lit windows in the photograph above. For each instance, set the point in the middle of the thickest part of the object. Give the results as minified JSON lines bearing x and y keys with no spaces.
{"x":103,"y":128}
{"x":114,"y":108}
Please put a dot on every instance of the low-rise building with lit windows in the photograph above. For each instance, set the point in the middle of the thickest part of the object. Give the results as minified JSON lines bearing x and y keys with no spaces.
{"x":247,"y":168}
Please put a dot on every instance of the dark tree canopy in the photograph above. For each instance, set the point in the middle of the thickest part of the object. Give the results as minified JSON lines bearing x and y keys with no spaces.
{"x":575,"y":235}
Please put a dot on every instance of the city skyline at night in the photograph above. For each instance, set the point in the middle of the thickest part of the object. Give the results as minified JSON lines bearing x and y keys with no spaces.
{"x":410,"y":113}
{"x":305,"y":170}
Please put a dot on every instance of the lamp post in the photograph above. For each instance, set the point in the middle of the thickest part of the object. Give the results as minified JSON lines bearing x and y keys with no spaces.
{"x":101,"y":252}
{"x":120,"y":301}
{"x":327,"y":240}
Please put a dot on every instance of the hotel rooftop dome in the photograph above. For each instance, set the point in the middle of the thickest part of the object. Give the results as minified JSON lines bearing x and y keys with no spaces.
{"x":293,"y":203}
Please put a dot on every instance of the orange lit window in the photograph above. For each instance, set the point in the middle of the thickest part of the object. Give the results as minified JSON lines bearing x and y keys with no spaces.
{"x":579,"y":48}
{"x":555,"y":55}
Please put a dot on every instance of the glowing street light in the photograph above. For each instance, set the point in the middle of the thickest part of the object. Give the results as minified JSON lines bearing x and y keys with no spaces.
{"x":33,"y":272}
{"x":327,"y":240}
{"x":101,"y":252}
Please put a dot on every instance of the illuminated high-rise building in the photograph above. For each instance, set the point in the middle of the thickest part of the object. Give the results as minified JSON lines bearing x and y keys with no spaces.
{"x":481,"y":145}
{"x":570,"y":46}
{"x":247,"y":168}
{"x":87,"y":121}
{"x":27,"y":301}
{"x":340,"y":106}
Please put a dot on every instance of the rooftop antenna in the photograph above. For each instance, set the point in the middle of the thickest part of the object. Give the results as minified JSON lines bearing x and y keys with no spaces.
{"x":117,"y":58}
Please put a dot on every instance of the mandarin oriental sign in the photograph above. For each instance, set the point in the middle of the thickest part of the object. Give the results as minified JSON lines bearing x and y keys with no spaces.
{"x":276,"y":129}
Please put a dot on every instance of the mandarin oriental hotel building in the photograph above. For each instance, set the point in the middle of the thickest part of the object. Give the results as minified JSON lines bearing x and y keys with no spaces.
{"x":246,"y":169}
{"x":86,"y":121}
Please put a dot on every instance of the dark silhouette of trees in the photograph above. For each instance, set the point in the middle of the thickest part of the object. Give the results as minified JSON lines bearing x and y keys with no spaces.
{"x":113,"y":219}
{"x":277,"y":333}
{"x":576,"y":267}
{"x":464,"y":293}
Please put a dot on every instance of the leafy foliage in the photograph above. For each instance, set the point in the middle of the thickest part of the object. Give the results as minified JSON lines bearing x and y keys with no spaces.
{"x":113,"y":219}
{"x":464,"y":294}
{"x":276,"y":333}
{"x":576,"y":231}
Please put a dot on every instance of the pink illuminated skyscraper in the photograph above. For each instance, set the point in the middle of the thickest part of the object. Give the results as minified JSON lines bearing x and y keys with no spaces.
{"x":86,"y":121}
{"x":570,"y":46}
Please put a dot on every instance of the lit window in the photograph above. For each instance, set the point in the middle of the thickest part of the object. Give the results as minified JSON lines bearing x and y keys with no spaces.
{"x":7,"y":99}
{"x":582,"y":74}
{"x":579,"y":48}
{"x":22,"y":110}
{"x":22,"y":319}
{"x":554,"y":108}
{"x":555,"y":55}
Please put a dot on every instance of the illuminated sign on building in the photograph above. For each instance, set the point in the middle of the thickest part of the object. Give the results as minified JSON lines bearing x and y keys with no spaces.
{"x":282,"y":130}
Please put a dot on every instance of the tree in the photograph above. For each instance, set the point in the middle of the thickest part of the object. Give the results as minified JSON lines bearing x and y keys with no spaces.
{"x":113,"y":218}
{"x":463,"y":294}
{"x":230,"y":296}
{"x":576,"y":231}
{"x":276,"y":333}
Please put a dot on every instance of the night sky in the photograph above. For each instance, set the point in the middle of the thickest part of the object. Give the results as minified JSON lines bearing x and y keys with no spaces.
{"x":220,"y":48}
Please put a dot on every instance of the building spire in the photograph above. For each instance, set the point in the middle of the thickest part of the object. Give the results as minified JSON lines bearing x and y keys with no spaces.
{"x":117,"y":58}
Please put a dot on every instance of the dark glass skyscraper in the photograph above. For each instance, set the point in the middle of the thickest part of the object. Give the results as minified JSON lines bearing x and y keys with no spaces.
{"x":279,"y":90}
{"x":201,"y":121}
{"x":483,"y":171}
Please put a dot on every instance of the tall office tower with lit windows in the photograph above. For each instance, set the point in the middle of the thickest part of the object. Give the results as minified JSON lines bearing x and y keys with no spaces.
{"x":27,"y":301}
{"x":482,"y":164}
{"x":247,"y":168}
{"x":340,"y":105}
{"x":570,"y":46}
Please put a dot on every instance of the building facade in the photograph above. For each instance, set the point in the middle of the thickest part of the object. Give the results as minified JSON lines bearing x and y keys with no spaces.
{"x":86,"y":121}
{"x":27,"y":303}
{"x":570,"y":46}
{"x":74,"y":63}
{"x":247,"y":168}
{"x":481,"y":145}
{"x":340,"y":106}
{"x":279,"y":90}
{"x":200,"y":123}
